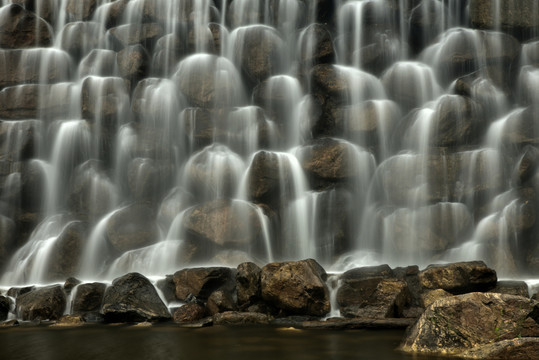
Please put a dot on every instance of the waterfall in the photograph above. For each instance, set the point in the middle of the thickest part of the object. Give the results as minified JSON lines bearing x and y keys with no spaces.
{"x":153,"y":135}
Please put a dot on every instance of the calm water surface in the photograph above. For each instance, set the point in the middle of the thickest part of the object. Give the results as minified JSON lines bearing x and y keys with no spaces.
{"x":169,"y":342}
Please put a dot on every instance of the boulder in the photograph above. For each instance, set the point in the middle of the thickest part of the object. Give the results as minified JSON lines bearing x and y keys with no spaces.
{"x":132,"y":227}
{"x":20,"y":28}
{"x":517,"y":17}
{"x":88,"y":298}
{"x":425,"y":24}
{"x":233,"y":318}
{"x":19,"y":139}
{"x":80,"y":10}
{"x":148,"y":179}
{"x":458,"y":278}
{"x":515,"y":349}
{"x":70,"y":283}
{"x":511,"y":287}
{"x":65,"y":257}
{"x":133,"y":63}
{"x":223,"y":223}
{"x":104,"y":100}
{"x":456,"y":324}
{"x":14,"y":292}
{"x":198,"y":126}
{"x":202,"y":282}
{"x":189,"y":313}
{"x":428,"y":297}
{"x":168,"y":50}
{"x":45,"y":9}
{"x":42,"y":303}
{"x":248,"y":284}
{"x":42,"y":65}
{"x":132,"y":298}
{"x":79,"y":38}
{"x":31,"y":101}
{"x":8,"y":233}
{"x":519,"y":128}
{"x":69,"y":321}
{"x":371,"y":292}
{"x":296,"y":287}
{"x":315,"y":47}
{"x":196,"y":78}
{"x":220,"y":301}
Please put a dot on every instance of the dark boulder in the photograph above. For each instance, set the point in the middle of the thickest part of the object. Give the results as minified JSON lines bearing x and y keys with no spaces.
{"x":248,"y":284}
{"x":220,"y":301}
{"x":202,"y":282}
{"x":133,"y":63}
{"x":167,"y":288}
{"x":80,"y":10}
{"x":511,"y":287}
{"x":132,"y":298}
{"x":99,"y":62}
{"x":315,"y":47}
{"x":79,"y":38}
{"x":189,"y":313}
{"x":296,"y":287}
{"x":88,"y":298}
{"x":66,"y":255}
{"x":145,"y":34}
{"x":456,"y":324}
{"x":148,"y":179}
{"x":5,"y":306}
{"x":70,"y":283}
{"x":458,"y":278}
{"x":42,"y":303}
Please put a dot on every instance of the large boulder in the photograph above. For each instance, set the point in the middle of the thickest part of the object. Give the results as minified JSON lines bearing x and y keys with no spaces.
{"x":132,"y":298}
{"x":514,"y":349}
{"x":19,"y":138}
{"x":371,"y":292}
{"x":99,"y":62}
{"x":133,"y":63}
{"x":88,"y":298}
{"x":132,"y":227}
{"x":20,"y":28}
{"x":189,"y":313}
{"x":148,"y":179}
{"x":315,"y":47}
{"x":459,"y":277}
{"x":202,"y":282}
{"x":519,"y":128}
{"x":65,"y":257}
{"x":80,"y":10}
{"x":456,"y":324}
{"x":4,"y":307}
{"x":136,"y":34}
{"x":42,"y":303}
{"x":296,"y":287}
{"x":248,"y":284}
{"x":79,"y":38}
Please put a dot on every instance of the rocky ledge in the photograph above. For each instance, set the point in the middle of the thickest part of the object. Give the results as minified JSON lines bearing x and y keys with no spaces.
{"x":457,"y":309}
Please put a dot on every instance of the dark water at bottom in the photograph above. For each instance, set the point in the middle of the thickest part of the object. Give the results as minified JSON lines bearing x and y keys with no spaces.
{"x":169,"y":342}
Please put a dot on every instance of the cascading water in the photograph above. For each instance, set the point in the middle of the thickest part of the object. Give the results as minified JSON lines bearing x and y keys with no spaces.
{"x":152,"y":135}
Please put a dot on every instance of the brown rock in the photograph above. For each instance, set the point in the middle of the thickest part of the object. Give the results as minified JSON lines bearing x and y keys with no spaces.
{"x":20,"y":28}
{"x":518,"y":288}
{"x":233,"y":318}
{"x":132,"y":227}
{"x":202,"y":282}
{"x":453,"y":325}
{"x":459,"y":277}
{"x":133,"y":63}
{"x":220,"y":301}
{"x":42,"y":303}
{"x":248,"y":284}
{"x":70,"y":321}
{"x":79,"y":38}
{"x":430,"y":296}
{"x":189,"y":313}
{"x":88,"y":298}
{"x":137,"y":34}
{"x":65,"y":257}
{"x":99,"y":62}
{"x":80,"y":10}
{"x":297,"y":287}
{"x":5,"y":305}
{"x":515,"y":349}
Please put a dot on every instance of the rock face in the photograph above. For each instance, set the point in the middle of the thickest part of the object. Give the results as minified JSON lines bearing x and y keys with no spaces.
{"x":515,"y":349}
{"x":456,"y":324}
{"x":88,"y":298}
{"x":459,"y":277}
{"x":42,"y":303}
{"x":248,"y":283}
{"x":297,"y":287}
{"x":20,"y":28}
{"x":132,"y":298}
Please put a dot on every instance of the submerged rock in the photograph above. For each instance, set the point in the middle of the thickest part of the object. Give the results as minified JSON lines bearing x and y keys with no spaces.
{"x":297,"y":287}
{"x":132,"y":298}
{"x":453,"y":325}
{"x":42,"y":303}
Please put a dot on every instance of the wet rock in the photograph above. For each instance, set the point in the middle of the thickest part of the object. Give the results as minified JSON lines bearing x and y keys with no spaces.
{"x":248,"y":284}
{"x":132,"y":227}
{"x":42,"y":303}
{"x":189,"y":313}
{"x":202,"y":282}
{"x":519,"y":129}
{"x":173,"y":204}
{"x":379,"y":55}
{"x":133,"y":63}
{"x":430,"y":296}
{"x":199,"y":128}
{"x":8,"y":233}
{"x":424,"y":24}
{"x":315,"y":47}
{"x":519,"y":18}
{"x":80,"y":10}
{"x":196,"y":78}
{"x":220,"y":301}
{"x":41,"y":65}
{"x":45,"y":9}
{"x":371,"y":292}
{"x":112,"y":13}
{"x":70,"y":283}
{"x":104,"y":100}
{"x":14,"y":292}
{"x":88,"y":298}
{"x":459,"y":277}
{"x":169,"y":49}
{"x":330,"y":161}
{"x":518,"y":288}
{"x":4,"y":307}
{"x":296,"y":287}
{"x":453,"y":325}
{"x":20,"y":28}
{"x":233,"y":318}
{"x":19,"y":139}
{"x":132,"y":298}
{"x":517,"y":349}
{"x":79,"y":38}
{"x":99,"y":62}
{"x":9,"y":323}
{"x":167,"y":288}
{"x":223,"y":223}
{"x":66,"y":254}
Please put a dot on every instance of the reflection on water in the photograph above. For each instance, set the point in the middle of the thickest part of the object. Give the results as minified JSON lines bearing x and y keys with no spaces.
{"x":169,"y":342}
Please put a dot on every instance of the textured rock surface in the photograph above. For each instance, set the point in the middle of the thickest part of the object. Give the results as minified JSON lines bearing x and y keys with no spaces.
{"x":202,"y":282}
{"x":132,"y":298}
{"x":459,"y":277}
{"x":297,"y":287}
{"x":42,"y":303}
